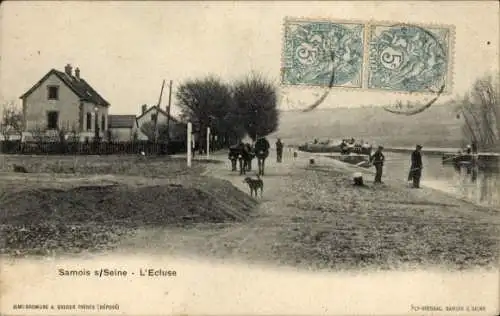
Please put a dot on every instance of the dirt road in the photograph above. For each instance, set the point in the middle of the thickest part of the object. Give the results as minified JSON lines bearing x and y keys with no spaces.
{"x":312,"y":217}
{"x":253,"y":240}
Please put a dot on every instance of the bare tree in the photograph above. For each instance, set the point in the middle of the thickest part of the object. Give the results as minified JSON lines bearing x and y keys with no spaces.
{"x":255,"y":106}
{"x":177,"y":131}
{"x":64,"y":133}
{"x":206,"y":103}
{"x":480,"y":111}
{"x":11,"y":121}
{"x":153,"y":131}
{"x":38,"y":134}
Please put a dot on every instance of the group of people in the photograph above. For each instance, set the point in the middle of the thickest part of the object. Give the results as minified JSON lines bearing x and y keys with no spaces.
{"x":244,"y":153}
{"x":415,"y":174}
{"x":348,"y":146}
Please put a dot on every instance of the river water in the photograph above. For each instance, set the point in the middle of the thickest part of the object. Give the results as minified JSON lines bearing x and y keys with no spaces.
{"x":478,"y":186}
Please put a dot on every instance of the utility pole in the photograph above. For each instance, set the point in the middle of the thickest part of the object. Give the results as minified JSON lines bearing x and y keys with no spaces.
{"x":168,"y":113}
{"x":208,"y":142}
{"x":189,"y":135}
{"x":157,"y":112}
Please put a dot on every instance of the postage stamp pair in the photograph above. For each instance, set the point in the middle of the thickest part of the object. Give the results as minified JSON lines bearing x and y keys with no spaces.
{"x":376,"y":56}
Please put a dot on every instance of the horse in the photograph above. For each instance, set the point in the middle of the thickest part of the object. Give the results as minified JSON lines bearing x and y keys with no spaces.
{"x":244,"y":156}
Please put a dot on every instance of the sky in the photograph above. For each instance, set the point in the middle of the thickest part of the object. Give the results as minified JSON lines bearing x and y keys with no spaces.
{"x":126,"y":49}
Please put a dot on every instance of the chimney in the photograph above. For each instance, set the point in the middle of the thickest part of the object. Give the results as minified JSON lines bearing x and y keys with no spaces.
{"x":68,"y":69}
{"x":144,"y":108}
{"x":77,"y":73}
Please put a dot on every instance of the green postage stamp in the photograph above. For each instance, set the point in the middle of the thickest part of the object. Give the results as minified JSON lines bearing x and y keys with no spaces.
{"x":395,"y":57}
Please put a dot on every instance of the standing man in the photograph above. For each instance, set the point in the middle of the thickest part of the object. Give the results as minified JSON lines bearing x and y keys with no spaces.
{"x":233,"y":156}
{"x":261,"y":151}
{"x":469,"y":150}
{"x":416,"y":166}
{"x":242,"y":158}
{"x":474,"y":148}
{"x":279,"y":150}
{"x":377,"y":159}
{"x":248,"y":151}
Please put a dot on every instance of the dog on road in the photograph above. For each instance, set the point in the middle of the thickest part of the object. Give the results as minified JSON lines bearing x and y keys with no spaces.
{"x":255,"y":185}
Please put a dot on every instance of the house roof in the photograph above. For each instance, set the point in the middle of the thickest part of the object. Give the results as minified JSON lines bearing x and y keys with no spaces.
{"x":79,"y":86}
{"x":121,"y":121}
{"x":159,"y":111}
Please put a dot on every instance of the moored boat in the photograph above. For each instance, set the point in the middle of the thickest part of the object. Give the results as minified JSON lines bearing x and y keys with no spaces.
{"x":343,"y":147}
{"x":453,"y":159}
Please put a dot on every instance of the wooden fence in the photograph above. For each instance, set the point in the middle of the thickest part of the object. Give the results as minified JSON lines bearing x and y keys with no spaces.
{"x":90,"y":148}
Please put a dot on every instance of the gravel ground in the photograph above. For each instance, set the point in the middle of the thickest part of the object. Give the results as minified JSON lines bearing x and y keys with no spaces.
{"x":310,"y":217}
{"x":314,"y":218}
{"x":385,"y":226}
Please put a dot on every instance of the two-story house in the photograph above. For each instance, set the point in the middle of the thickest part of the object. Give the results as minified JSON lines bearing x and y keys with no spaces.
{"x":65,"y":101}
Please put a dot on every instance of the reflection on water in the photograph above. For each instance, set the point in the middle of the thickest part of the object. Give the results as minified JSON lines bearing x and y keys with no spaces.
{"x":475,"y":184}
{"x":478,"y":185}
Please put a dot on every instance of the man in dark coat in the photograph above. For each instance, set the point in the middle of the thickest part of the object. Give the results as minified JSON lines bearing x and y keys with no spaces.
{"x":249,"y":155}
{"x":474,"y":148}
{"x":416,"y":166}
{"x":242,"y":158}
{"x":279,"y":150}
{"x":261,"y":151}
{"x":234,"y":152}
{"x":344,"y":148}
{"x":377,"y":159}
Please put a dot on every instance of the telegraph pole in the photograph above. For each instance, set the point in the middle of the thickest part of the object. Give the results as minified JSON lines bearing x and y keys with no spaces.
{"x":157,"y":112}
{"x":189,"y":136}
{"x":168,"y":114}
{"x":208,"y":142}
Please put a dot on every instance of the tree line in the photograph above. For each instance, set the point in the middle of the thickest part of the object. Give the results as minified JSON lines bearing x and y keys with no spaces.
{"x":479,"y":109}
{"x":246,"y":107}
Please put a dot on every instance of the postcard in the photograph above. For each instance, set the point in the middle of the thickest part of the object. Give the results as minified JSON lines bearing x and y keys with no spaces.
{"x":249,"y":158}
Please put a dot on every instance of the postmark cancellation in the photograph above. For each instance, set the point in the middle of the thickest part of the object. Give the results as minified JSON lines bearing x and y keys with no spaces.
{"x":394,"y":57}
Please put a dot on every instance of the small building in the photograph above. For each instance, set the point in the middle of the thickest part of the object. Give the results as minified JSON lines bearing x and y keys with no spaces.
{"x":122,"y":128}
{"x":63,"y":100}
{"x":147,"y":118}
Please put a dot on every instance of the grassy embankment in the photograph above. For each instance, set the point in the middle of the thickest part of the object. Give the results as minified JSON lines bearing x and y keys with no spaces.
{"x":74,"y":204}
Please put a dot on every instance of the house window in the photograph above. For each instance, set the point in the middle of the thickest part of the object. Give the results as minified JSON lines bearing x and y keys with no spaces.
{"x":53,"y":93}
{"x":153,"y":117}
{"x":52,"y":118}
{"x":103,"y":122}
{"x":89,"y":121}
